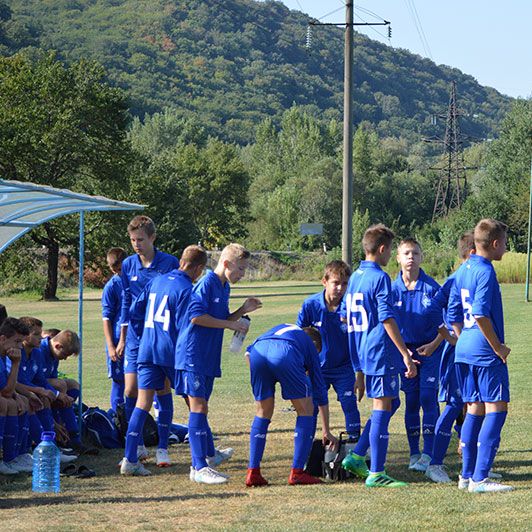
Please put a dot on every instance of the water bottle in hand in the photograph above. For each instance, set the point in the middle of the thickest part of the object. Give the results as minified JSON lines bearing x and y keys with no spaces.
{"x":46,"y":464}
{"x":238,"y":338}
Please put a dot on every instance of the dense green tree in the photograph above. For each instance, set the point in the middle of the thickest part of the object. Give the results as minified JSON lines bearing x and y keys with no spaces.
{"x":65,"y":127}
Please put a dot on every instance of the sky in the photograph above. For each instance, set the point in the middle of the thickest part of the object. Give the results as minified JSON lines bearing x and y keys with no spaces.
{"x":488,"y":39}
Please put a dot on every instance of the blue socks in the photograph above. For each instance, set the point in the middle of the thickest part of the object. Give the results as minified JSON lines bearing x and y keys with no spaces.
{"x":257,"y":440}
{"x":488,"y":443}
{"x":197,"y":436}
{"x":209,"y":442}
{"x":10,"y":438}
{"x":442,"y":434}
{"x":134,"y":430}
{"x":23,"y":433}
{"x":431,"y":411}
{"x":362,"y":445}
{"x":470,"y":431}
{"x":71,"y":423}
{"x":378,"y":439}
{"x":129,"y":406}
{"x":303,"y":436}
{"x":46,"y":418}
{"x":2,"y":428}
{"x":35,"y":429}
{"x":412,"y":420}
{"x":164,"y":420}
{"x":117,"y":394}
{"x":352,"y":416}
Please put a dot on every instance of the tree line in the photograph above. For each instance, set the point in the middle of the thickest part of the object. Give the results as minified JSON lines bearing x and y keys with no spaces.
{"x":66,"y":126}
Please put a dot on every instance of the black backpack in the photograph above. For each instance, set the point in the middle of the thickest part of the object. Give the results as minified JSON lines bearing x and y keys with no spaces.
{"x":150,"y":432}
{"x":332,"y":462}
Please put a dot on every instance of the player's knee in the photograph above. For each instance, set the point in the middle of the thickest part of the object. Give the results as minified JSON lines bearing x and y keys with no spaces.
{"x":12,"y":407}
{"x":72,"y":384}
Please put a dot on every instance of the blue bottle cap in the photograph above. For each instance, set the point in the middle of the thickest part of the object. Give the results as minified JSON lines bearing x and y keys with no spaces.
{"x":48,"y":436}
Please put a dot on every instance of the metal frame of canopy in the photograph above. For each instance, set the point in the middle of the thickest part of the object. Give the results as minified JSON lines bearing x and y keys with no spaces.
{"x":24,"y":206}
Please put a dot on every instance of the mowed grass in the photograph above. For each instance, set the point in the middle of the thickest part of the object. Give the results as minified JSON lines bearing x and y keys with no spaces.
{"x":168,"y":499}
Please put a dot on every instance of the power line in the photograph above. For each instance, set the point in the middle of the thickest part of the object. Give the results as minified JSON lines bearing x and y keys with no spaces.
{"x":371,"y":27}
{"x":419,"y":28}
{"x":332,"y":12}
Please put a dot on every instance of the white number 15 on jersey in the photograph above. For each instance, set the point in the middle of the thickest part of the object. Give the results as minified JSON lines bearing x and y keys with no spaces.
{"x":357,"y":317}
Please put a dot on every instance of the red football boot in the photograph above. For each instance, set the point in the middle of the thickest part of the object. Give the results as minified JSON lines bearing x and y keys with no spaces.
{"x":300,"y":476}
{"x":254,"y":478}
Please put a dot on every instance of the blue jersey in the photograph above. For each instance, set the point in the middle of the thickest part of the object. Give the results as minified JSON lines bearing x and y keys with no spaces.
{"x":49,"y":363}
{"x":135,"y":277}
{"x":476,"y":292}
{"x":199,"y":349}
{"x":163,"y":307}
{"x":112,"y":304}
{"x":4,"y":372}
{"x":303,"y":352}
{"x":315,"y":313}
{"x":31,"y":370}
{"x":417,"y":326}
{"x":367,"y":304}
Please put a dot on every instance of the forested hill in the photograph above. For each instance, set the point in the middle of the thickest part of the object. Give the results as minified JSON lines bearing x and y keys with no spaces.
{"x":234,"y":62}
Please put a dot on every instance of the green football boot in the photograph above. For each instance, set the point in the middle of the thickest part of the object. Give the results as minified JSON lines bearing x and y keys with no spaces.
{"x":355,"y":464}
{"x":382,"y":480}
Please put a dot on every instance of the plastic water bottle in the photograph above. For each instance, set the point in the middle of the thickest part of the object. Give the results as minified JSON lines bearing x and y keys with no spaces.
{"x":238,"y":338}
{"x":46,"y":463}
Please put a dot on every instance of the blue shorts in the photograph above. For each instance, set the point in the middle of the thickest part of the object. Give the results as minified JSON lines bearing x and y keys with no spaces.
{"x":483,"y":384}
{"x":378,"y":386}
{"x":152,"y":377}
{"x":193,"y":384}
{"x":115,"y":370}
{"x":280,"y":367}
{"x":428,"y":372}
{"x":342,"y":380}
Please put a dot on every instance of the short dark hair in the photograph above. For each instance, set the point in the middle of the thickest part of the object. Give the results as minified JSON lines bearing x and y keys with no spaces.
{"x":466,"y":244}
{"x":142,"y":222}
{"x":51,"y":332}
{"x":487,"y":231}
{"x":376,"y":236}
{"x":337,"y":267}
{"x":315,"y":336}
{"x":30,"y":322}
{"x":115,"y":257}
{"x":12,"y":326}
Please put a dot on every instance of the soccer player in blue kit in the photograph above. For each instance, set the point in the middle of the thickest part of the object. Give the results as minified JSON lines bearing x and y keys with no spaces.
{"x":137,"y":270}
{"x":481,"y":356}
{"x":198,"y":355}
{"x":163,"y":307}
{"x":111,"y":309}
{"x":376,"y":344}
{"x":285,"y":354}
{"x":322,"y":311}
{"x":412,"y":292}
{"x":449,"y":387}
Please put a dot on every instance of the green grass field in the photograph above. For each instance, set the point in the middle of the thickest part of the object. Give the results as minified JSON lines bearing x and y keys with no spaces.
{"x":169,"y":500}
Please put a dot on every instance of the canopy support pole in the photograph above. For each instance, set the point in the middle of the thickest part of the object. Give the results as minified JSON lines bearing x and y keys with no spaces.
{"x":80,"y":312}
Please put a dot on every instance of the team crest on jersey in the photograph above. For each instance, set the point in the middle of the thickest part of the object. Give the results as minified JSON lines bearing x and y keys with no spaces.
{"x":425,"y":300}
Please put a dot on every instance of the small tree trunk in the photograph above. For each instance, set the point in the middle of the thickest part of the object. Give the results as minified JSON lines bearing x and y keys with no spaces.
{"x":50,"y":291}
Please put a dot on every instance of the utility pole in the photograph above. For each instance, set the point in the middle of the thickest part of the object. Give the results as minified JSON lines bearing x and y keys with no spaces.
{"x":347,"y":189}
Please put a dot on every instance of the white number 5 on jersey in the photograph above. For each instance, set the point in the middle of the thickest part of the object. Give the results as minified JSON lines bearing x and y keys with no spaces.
{"x":357,"y":317}
{"x":161,"y":316}
{"x":469,"y":320}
